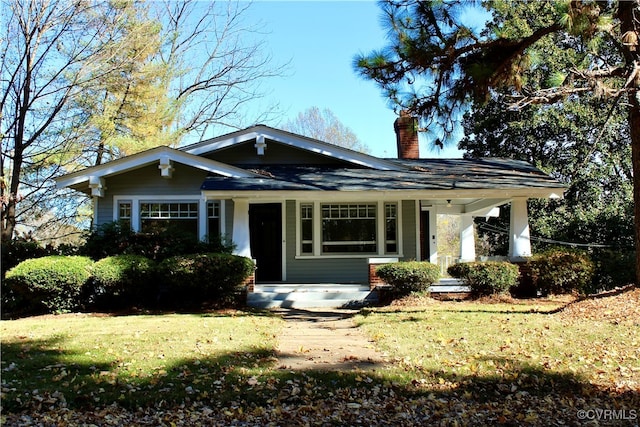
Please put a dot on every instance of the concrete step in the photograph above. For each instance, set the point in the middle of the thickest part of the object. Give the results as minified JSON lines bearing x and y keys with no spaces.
{"x":309,"y":296}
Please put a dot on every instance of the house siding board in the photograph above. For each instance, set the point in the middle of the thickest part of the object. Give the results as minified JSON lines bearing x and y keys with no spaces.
{"x":275,"y":153}
{"x":185,"y":184}
{"x":409,"y":230}
{"x":317,"y":270}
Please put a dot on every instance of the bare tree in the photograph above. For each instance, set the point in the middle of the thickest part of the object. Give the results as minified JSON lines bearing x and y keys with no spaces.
{"x":325,"y":126}
{"x":57,"y":56}
{"x":217,"y":61}
{"x":51,"y":51}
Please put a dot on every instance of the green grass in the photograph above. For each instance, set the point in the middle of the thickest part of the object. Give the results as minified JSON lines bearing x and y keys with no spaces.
{"x":450,"y":345}
{"x":133,"y":360}
{"x":497,"y":363}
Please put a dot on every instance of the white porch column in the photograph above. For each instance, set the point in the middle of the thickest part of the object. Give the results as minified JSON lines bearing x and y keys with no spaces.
{"x":467,"y":239}
{"x":519,"y":240}
{"x":240,"y":233}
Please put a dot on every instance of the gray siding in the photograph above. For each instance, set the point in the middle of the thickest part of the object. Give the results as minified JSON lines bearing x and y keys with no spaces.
{"x":409,"y":230}
{"x":319,"y":270}
{"x":185,"y":184}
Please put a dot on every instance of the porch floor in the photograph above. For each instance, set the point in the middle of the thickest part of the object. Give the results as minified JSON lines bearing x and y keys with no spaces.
{"x":335,"y":295}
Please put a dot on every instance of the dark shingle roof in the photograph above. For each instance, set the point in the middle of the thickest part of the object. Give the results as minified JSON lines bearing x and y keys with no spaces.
{"x":422,"y":174}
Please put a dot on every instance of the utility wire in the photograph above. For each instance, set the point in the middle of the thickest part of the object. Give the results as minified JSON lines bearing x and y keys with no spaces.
{"x":500,"y":230}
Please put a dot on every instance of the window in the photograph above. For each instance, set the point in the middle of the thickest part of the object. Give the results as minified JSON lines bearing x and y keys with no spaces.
{"x":213,"y":218}
{"x":391,"y":228}
{"x":348,"y":228}
{"x":124,"y":214}
{"x":306,"y":228}
{"x":175,"y":216}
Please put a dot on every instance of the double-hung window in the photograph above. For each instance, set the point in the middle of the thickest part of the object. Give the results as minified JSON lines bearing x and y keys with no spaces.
{"x":175,"y":216}
{"x":349,"y":228}
{"x":335,"y":229}
{"x":213,"y":218}
{"x":124,"y":213}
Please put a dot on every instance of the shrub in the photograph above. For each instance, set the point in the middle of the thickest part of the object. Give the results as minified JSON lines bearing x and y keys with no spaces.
{"x":115,"y":238}
{"x":559,"y":272}
{"x":26,"y":247}
{"x":212,"y":277}
{"x":51,"y":284}
{"x":486,"y":278}
{"x":121,"y":279}
{"x":614,"y":268}
{"x":410,"y":276}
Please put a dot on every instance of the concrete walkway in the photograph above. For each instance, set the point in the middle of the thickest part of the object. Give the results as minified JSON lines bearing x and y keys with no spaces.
{"x":325,"y":339}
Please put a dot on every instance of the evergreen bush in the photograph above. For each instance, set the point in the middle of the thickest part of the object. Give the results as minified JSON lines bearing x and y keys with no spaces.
{"x":562,"y":271}
{"x":486,"y":278}
{"x":50,"y":284}
{"x":409,"y":276}
{"x":209,"y":277}
{"x":121,"y":280}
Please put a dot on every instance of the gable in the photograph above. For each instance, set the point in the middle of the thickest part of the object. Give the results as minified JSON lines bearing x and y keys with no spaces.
{"x":262,"y":138}
{"x":275,"y":153}
{"x":163,"y":158}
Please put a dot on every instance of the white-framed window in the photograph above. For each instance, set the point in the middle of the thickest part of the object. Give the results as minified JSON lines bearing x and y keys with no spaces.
{"x":306,"y":228}
{"x":179,"y":216}
{"x":124,"y":213}
{"x":391,"y":228}
{"x":348,"y":228}
{"x":213,"y":218}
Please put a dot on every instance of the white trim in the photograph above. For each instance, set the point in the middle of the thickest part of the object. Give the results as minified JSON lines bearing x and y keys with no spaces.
{"x":262,"y":132}
{"x":500,"y":195}
{"x":317,"y":232}
{"x":136,"y":199}
{"x":162,"y":155}
{"x":223,"y":217}
{"x":283,"y":230}
{"x":418,"y":212}
{"x":203,"y":218}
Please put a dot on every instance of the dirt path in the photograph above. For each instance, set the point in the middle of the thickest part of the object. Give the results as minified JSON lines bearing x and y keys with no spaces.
{"x":325,"y":339}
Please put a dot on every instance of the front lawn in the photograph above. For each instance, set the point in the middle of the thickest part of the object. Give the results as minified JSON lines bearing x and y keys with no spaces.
{"x":452,"y":363}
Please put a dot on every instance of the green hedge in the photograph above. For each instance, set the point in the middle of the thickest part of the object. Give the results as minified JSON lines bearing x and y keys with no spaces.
{"x":121,"y":280}
{"x":486,"y":278}
{"x":49,"y":284}
{"x":409,"y":276}
{"x":561,"y":272}
{"x":115,"y":238}
{"x":212,"y":277}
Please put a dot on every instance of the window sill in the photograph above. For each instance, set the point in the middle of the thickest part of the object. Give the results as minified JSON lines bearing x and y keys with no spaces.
{"x":346,"y":256}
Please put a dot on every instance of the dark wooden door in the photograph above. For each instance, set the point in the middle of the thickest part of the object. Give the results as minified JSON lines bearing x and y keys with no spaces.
{"x":425,"y":236}
{"x":265,"y":228}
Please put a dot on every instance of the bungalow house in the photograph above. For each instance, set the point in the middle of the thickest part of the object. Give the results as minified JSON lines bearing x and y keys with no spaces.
{"x":309,"y":212}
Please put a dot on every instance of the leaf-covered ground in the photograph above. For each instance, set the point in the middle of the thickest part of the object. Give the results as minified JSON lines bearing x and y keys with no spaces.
{"x":484,"y":363}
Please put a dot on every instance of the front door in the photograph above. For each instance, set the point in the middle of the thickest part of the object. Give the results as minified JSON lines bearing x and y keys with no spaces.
{"x":425,"y":236}
{"x":265,"y":230}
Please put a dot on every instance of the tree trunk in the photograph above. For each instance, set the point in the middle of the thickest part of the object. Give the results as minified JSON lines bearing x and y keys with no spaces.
{"x":627,"y":10}
{"x":634,"y":130}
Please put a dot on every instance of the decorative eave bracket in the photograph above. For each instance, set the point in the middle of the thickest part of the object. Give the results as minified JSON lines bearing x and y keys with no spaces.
{"x":97,"y":186}
{"x":260,"y":145}
{"x":166,"y":167}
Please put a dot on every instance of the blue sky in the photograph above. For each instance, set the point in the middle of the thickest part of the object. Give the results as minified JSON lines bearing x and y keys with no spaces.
{"x":320,"y":40}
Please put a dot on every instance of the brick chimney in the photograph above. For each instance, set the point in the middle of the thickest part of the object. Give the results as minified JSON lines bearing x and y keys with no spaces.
{"x":406,"y":127}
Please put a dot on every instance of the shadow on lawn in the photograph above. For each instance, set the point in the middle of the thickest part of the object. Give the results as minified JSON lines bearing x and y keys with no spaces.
{"x":40,"y":375}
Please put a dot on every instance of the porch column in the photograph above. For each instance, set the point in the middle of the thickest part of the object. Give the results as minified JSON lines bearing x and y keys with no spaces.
{"x":519,"y":240}
{"x":467,"y":239}
{"x":240,"y":233}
